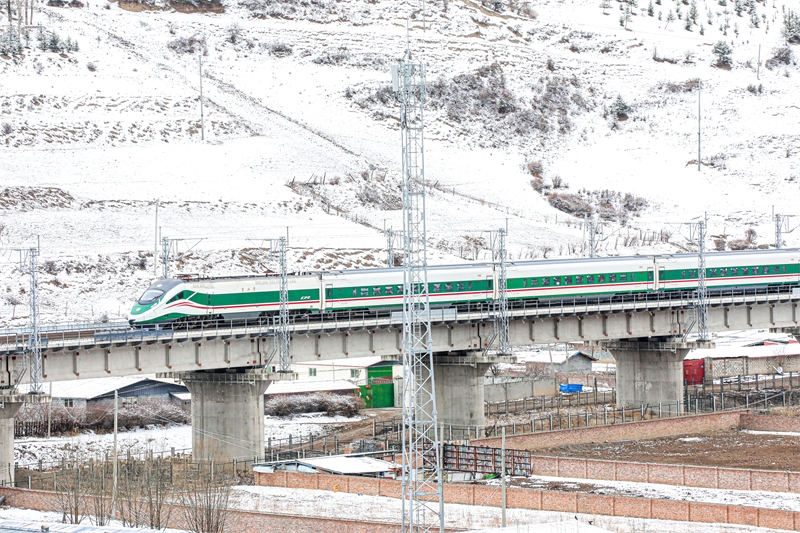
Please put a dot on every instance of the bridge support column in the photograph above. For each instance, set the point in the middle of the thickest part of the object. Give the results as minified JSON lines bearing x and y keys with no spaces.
{"x":650,"y":372}
{"x":10,"y":405}
{"x":227,"y":414}
{"x":459,"y":389}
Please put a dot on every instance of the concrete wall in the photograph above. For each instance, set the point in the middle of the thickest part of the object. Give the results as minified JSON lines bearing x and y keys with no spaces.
{"x":502,"y":388}
{"x":744,"y":366}
{"x":569,"y":502}
{"x":649,"y":429}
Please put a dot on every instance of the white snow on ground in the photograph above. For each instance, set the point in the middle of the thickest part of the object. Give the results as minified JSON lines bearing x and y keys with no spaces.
{"x":126,"y":134}
{"x":159,"y":439}
{"x":784,"y":433}
{"x":379,"y":508}
{"x":15,"y":514}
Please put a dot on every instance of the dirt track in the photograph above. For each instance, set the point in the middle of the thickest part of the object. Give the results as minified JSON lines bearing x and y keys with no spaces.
{"x":723,"y":448}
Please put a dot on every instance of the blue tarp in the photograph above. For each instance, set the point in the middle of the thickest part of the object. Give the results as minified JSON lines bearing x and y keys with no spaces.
{"x":569,"y":387}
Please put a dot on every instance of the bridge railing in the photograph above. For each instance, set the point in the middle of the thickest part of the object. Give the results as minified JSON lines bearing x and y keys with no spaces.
{"x":82,"y":334}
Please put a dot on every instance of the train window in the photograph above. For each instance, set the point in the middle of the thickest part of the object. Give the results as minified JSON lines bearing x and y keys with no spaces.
{"x":437,"y":287}
{"x":469,"y":285}
{"x":365,"y":291}
{"x":376,"y":291}
{"x":765,"y":270}
{"x":460,"y":287}
{"x":545,"y":282}
{"x":448,"y":287}
{"x":579,"y":280}
{"x":612,"y":277}
{"x":568,"y":280}
{"x":775,"y":269}
{"x":712,"y":272}
{"x":735,"y":271}
{"x":745,"y":271}
{"x":683,"y":274}
{"x":355,"y":293}
{"x":723,"y":271}
{"x":623,"y":277}
{"x":490,"y":284}
{"x":693,"y":273}
{"x":589,"y":279}
{"x":328,"y":293}
{"x":601,"y":278}
{"x":534,"y":282}
{"x":556,"y":281}
{"x":312,"y":372}
{"x":389,"y":290}
{"x":783,"y":268}
{"x":650,"y":275}
{"x":524,"y":282}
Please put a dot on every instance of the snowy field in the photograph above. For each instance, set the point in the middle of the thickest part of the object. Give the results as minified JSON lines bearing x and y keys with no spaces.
{"x":159,"y":440}
{"x":293,"y":139}
{"x":379,"y":508}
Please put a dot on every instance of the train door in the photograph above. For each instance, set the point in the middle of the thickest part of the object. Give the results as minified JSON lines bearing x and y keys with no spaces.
{"x":328,"y":296}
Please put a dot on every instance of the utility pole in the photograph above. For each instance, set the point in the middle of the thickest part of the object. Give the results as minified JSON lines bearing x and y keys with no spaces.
{"x":758,"y":68}
{"x":202,"y":121}
{"x":503,"y":476}
{"x":114,"y":466}
{"x":421,"y":480}
{"x":166,"y":245}
{"x":699,"y":85}
{"x":592,"y":238}
{"x":155,"y":248}
{"x":778,"y":231}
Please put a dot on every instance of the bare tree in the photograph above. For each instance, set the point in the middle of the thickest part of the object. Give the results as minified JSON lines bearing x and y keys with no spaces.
{"x":73,"y":485}
{"x":13,"y":301}
{"x":206,"y":501}
{"x":99,"y":502}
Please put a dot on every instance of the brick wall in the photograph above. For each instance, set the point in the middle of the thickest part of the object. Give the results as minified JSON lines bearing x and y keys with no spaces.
{"x":571,"y":502}
{"x":770,"y":423}
{"x":682,"y":475}
{"x":649,"y":429}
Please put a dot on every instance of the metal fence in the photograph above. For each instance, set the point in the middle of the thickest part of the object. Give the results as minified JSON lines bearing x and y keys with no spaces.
{"x":546,"y":403}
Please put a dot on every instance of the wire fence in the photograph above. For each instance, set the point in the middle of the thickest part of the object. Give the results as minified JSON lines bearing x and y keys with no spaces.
{"x":547,"y":403}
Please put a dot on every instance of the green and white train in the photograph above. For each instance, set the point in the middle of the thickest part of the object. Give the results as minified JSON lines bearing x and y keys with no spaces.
{"x":240,"y":298}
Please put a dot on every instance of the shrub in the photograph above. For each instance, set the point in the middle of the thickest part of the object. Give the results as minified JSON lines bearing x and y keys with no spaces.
{"x":782,"y":55}
{"x":536,"y":168}
{"x":331,"y":404}
{"x":334,"y":57}
{"x":91,"y":66}
{"x":280,"y":49}
{"x":791,"y":27}
{"x":609,"y":205}
{"x":188,"y":45}
{"x":755,"y":89}
{"x":620,"y":109}
{"x":7,"y":128}
{"x":233,"y":33}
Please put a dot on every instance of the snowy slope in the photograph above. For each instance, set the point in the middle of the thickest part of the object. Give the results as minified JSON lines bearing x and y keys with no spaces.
{"x":292,"y":139}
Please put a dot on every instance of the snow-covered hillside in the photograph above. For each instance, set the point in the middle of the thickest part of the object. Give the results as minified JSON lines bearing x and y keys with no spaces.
{"x":301,"y":131}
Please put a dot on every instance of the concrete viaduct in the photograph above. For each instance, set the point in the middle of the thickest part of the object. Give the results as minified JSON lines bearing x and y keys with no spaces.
{"x":228,"y":368}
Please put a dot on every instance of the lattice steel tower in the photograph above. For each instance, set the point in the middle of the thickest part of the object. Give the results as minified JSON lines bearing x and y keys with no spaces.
{"x":501,"y":306}
{"x":423,"y":505}
{"x":283,"y":316}
{"x":29,"y":261}
{"x":702,"y":293}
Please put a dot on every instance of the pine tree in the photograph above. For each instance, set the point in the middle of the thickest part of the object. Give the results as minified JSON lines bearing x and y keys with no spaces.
{"x":688,"y":25}
{"x":693,"y":12}
{"x":723,"y":52}
{"x":651,"y":11}
{"x":791,"y":27}
{"x":620,"y":108}
{"x":605,"y":5}
{"x":738,"y":7}
{"x":670,"y":18}
{"x":702,"y":30}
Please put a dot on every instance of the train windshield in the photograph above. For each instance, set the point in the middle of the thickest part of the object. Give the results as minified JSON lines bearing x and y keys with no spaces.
{"x":150,"y":296}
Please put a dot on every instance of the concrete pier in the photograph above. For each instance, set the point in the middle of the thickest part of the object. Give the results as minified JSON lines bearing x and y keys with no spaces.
{"x":227,"y":414}
{"x":10,"y":404}
{"x":459,"y":388}
{"x":650,"y":372}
